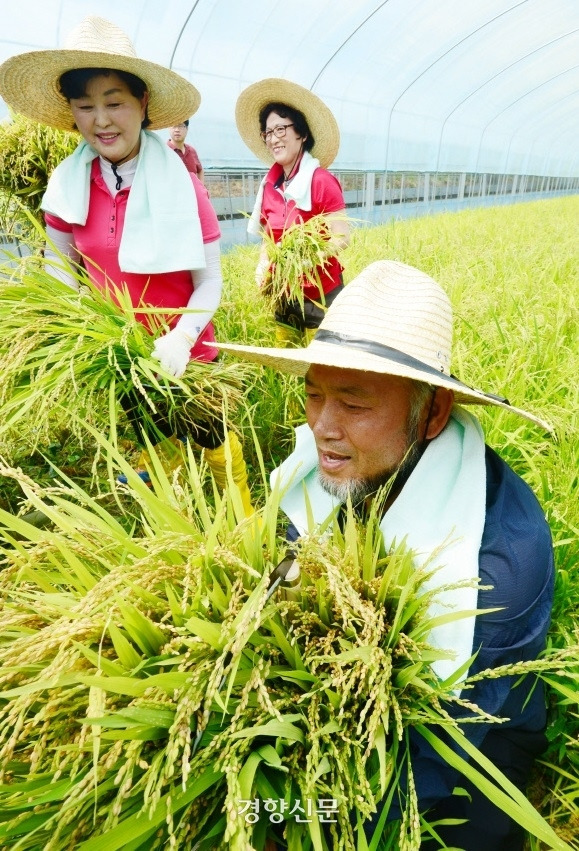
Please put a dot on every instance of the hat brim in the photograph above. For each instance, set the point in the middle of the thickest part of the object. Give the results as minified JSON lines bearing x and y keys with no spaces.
{"x":320,"y":118}
{"x":29,"y":85}
{"x":298,"y":361}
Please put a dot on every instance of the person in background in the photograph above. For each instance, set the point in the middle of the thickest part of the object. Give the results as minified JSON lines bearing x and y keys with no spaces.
{"x":186,"y":152}
{"x":287,"y":125}
{"x":120,"y":204}
{"x":383,"y":408}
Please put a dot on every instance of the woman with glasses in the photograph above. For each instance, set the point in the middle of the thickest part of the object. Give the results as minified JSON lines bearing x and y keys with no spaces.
{"x":287,"y":124}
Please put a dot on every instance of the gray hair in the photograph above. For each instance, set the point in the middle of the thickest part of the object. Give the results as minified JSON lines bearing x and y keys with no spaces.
{"x":421,"y":392}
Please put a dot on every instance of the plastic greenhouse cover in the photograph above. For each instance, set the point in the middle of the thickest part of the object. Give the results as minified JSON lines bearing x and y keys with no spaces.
{"x":422,"y":85}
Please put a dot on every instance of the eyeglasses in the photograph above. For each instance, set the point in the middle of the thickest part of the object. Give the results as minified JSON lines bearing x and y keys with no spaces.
{"x":278,"y":131}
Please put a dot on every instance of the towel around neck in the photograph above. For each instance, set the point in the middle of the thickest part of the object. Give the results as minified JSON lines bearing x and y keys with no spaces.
{"x":162,"y":231}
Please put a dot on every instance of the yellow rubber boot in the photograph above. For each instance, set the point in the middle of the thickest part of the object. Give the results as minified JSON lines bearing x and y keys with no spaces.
{"x":217,"y":461}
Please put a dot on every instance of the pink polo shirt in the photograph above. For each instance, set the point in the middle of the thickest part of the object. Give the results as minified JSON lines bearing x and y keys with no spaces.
{"x":98,"y":241}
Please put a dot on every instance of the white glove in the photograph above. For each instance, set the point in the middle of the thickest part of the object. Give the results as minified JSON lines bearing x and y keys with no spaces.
{"x":173,"y":351}
{"x":262,"y":271}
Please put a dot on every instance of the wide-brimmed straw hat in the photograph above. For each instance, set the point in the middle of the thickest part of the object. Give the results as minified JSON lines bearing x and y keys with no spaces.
{"x":392,"y":319}
{"x":29,"y":82}
{"x":276,"y":90}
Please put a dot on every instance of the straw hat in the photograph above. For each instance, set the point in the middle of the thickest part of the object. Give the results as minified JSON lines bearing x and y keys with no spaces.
{"x":275,"y":90}
{"x":29,"y":81}
{"x":392,"y":319}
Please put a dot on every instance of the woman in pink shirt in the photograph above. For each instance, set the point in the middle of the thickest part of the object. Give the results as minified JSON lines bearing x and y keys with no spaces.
{"x":123,"y":203}
{"x":295,"y":133}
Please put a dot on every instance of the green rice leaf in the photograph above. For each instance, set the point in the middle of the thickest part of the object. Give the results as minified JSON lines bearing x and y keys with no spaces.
{"x":210,"y":633}
{"x":139,"y":825}
{"x":505,"y":794}
{"x":132,"y":687}
{"x":127,"y":655}
{"x":247,"y":774}
{"x":275,"y":729}
{"x":142,"y":630}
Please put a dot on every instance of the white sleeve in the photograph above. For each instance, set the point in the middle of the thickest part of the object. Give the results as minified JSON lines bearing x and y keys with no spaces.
{"x":205,"y":299}
{"x":60,"y":245}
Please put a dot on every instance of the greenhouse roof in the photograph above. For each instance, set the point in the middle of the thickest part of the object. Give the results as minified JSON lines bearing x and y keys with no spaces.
{"x":422,"y":85}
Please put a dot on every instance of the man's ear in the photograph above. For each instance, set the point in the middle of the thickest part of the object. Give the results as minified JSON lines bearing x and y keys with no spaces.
{"x":439,"y":412}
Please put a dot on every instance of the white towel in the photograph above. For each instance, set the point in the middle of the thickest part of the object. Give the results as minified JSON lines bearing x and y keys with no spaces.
{"x":162,"y":231}
{"x":299,"y":191}
{"x":443,"y":502}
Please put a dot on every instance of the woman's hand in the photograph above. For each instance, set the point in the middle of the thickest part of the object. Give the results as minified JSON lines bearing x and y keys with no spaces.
{"x":340,"y":231}
{"x":262,"y":270}
{"x":173,"y":351}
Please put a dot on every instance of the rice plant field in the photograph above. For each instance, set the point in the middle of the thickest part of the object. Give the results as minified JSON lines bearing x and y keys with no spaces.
{"x":149,"y":682}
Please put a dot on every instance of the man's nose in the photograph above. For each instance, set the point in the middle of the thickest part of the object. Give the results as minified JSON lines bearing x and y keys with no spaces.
{"x":326,"y":422}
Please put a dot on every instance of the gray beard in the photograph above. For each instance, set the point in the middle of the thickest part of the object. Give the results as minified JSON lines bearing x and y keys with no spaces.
{"x":391,"y":480}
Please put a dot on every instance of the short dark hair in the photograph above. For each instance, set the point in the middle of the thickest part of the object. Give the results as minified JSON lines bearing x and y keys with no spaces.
{"x":186,"y":122}
{"x":73,"y":84}
{"x":296,"y":117}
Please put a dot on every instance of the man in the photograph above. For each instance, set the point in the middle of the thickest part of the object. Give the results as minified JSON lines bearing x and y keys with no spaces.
{"x":186,"y":152}
{"x":382,"y":406}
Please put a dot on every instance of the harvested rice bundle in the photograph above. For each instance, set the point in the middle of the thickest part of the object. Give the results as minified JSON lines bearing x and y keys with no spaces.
{"x":154,"y":692}
{"x":304,"y":249}
{"x":59,"y":345}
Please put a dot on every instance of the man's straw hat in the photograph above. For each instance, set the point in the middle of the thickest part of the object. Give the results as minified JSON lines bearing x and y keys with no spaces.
{"x":392,"y":319}
{"x":29,"y":82}
{"x":275,"y":90}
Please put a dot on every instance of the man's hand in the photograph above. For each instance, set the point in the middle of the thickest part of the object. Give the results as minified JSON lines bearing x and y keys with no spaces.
{"x":172,"y":350}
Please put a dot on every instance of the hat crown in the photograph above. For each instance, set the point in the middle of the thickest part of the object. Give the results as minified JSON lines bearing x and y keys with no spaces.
{"x":398,"y":306}
{"x":99,"y":36}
